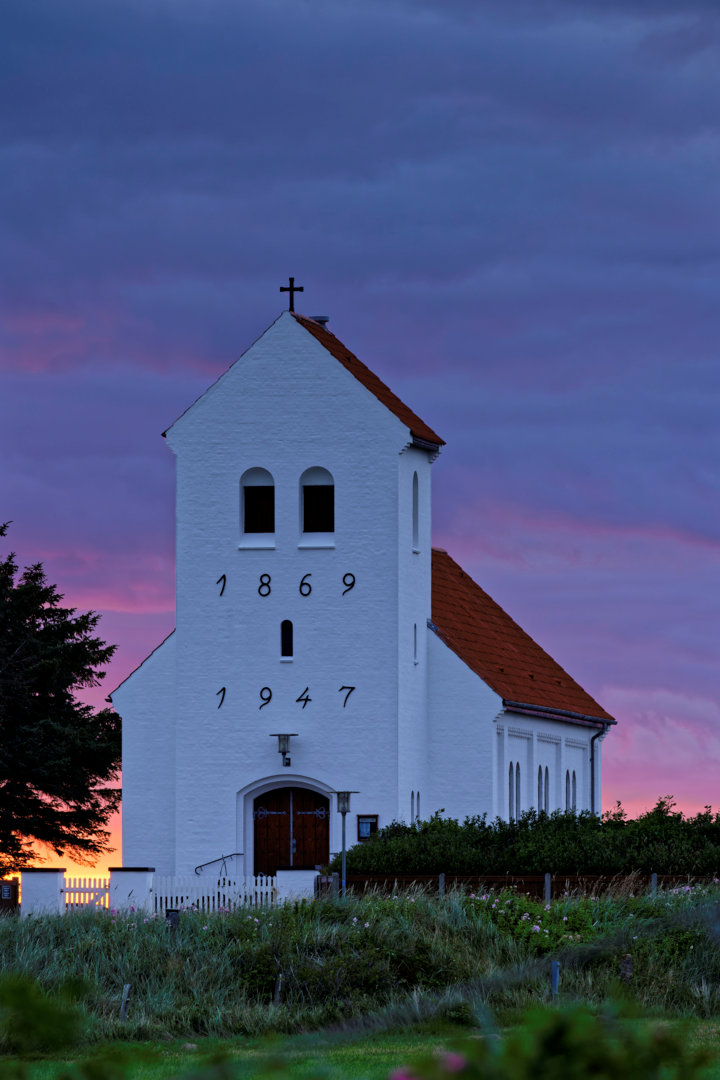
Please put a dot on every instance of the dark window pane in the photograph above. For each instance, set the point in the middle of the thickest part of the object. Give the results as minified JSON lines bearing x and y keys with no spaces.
{"x":286,"y":638}
{"x":259,"y":509}
{"x":319,"y":508}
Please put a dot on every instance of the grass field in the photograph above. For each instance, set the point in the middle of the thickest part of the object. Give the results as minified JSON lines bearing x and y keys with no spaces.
{"x":368,"y":1057}
{"x":354,"y":988}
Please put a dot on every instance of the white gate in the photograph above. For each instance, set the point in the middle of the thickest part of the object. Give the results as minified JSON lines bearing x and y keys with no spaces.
{"x":86,"y":892}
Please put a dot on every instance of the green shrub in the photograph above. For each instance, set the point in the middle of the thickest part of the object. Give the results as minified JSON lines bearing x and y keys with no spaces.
{"x":662,"y":840}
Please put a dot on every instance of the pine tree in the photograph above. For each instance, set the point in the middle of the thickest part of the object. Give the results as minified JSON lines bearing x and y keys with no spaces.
{"x":58,"y":757}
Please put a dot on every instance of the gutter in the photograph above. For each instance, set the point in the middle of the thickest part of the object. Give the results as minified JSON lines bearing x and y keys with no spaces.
{"x":563,"y":715}
{"x":598,"y":735}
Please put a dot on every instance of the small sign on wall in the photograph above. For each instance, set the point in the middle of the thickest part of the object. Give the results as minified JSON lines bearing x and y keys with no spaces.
{"x":367,"y":824}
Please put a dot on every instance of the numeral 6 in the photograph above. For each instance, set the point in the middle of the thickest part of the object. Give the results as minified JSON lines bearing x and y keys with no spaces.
{"x":305,"y":586}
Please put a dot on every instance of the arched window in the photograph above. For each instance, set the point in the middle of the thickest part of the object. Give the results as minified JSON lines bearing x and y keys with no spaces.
{"x":511,"y":792}
{"x":574,"y":791}
{"x":540,"y":788}
{"x":412,"y":806}
{"x":517,"y":790}
{"x":286,"y":638}
{"x":317,"y":501}
{"x":257,"y":502}
{"x":567,"y":789}
{"x":546,"y":803}
{"x":415,"y":513}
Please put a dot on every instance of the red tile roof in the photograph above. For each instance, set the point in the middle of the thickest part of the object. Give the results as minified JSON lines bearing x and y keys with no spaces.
{"x":492,"y":645}
{"x":370,"y":381}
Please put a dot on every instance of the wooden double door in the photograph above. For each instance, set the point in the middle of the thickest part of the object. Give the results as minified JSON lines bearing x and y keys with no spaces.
{"x":292,"y":830}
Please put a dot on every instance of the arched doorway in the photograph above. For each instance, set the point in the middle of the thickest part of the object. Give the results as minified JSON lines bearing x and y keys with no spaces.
{"x":291,"y":830}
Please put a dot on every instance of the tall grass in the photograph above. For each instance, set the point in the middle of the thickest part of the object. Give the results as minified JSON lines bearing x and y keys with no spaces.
{"x":385,"y":960}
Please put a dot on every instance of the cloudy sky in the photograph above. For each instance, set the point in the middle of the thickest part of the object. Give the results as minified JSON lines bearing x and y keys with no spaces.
{"x":508,"y":209}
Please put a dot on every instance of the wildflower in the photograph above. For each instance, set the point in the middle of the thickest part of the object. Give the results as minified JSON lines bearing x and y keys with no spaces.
{"x":204,"y":927}
{"x":355,"y":919}
{"x":402,"y":1074}
{"x":547,"y":907}
{"x":564,"y":918}
{"x":453,"y":1062}
{"x":472,"y":895}
{"x":536,"y":929}
{"x":367,"y":924}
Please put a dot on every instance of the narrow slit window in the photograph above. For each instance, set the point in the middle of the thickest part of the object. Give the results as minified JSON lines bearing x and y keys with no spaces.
{"x":546,"y":804}
{"x":574,"y":791}
{"x":286,"y":638}
{"x":415,"y":512}
{"x":415,"y":656}
{"x":257,"y":496}
{"x":417,"y":806}
{"x":412,"y":806}
{"x":517,"y":790}
{"x":567,"y":790}
{"x":511,"y":792}
{"x":317,"y":501}
{"x":540,"y":788}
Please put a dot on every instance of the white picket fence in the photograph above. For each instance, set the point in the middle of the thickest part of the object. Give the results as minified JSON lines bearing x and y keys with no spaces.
{"x":86,"y":892}
{"x":218,"y":894}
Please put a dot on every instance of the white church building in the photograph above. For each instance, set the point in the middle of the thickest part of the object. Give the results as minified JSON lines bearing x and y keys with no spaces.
{"x":321,"y":644}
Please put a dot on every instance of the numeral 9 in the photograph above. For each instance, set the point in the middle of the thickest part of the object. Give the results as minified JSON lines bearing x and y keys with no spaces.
{"x":266,"y":695}
{"x":349,"y":580}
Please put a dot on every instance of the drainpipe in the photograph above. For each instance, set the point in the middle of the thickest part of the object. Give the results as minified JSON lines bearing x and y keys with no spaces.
{"x":598,"y":735}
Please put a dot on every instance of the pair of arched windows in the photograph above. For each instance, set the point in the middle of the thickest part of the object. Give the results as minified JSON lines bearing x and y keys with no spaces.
{"x":570,"y":790}
{"x":543,"y":800}
{"x":316,"y":502}
{"x":514,"y":808}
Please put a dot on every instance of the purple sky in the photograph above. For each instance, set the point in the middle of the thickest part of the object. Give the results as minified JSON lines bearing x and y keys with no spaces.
{"x":508,"y":209}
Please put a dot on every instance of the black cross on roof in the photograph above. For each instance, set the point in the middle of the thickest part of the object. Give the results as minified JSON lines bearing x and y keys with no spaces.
{"x":292,"y":288}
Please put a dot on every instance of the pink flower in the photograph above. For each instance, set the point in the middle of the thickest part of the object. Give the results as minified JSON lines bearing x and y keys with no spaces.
{"x":536,"y":929}
{"x":454,"y":1062}
{"x":402,"y":1074}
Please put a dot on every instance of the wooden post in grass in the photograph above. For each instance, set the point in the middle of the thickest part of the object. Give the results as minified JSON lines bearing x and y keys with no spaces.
{"x":554,"y":977}
{"x":124,"y":1001}
{"x":626,"y":968}
{"x":653,"y":884}
{"x":441,"y":885}
{"x":335,"y":887}
{"x":548,"y":888}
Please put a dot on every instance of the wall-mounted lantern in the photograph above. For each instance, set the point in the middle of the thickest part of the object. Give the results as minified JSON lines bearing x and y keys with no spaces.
{"x":284,"y":745}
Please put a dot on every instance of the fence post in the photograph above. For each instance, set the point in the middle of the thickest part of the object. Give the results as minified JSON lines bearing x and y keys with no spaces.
{"x":554,"y":977}
{"x":441,"y":885}
{"x":548,"y":888}
{"x":131,"y":887}
{"x":336,"y":886}
{"x":653,"y":884}
{"x":43,"y":892}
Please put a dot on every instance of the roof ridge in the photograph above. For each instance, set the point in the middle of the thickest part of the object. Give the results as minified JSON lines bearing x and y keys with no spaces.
{"x":372,"y":382}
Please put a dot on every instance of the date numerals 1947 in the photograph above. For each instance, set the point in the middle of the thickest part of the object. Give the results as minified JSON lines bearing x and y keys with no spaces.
{"x":303,"y":698}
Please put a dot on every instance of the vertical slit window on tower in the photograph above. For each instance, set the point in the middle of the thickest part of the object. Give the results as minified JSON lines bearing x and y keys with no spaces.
{"x":286,"y":638}
{"x":546,"y":805}
{"x":415,"y":513}
{"x":517,"y":790}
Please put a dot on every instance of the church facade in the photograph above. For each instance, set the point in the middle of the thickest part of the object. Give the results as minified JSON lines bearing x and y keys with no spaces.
{"x":321,"y":644}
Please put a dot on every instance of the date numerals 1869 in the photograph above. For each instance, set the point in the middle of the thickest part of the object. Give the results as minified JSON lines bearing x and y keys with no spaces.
{"x":305,"y":586}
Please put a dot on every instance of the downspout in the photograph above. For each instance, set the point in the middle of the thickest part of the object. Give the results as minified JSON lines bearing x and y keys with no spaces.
{"x":598,"y":735}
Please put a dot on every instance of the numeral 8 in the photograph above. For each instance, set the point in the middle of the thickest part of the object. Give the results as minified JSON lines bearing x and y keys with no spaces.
{"x":264,"y":586}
